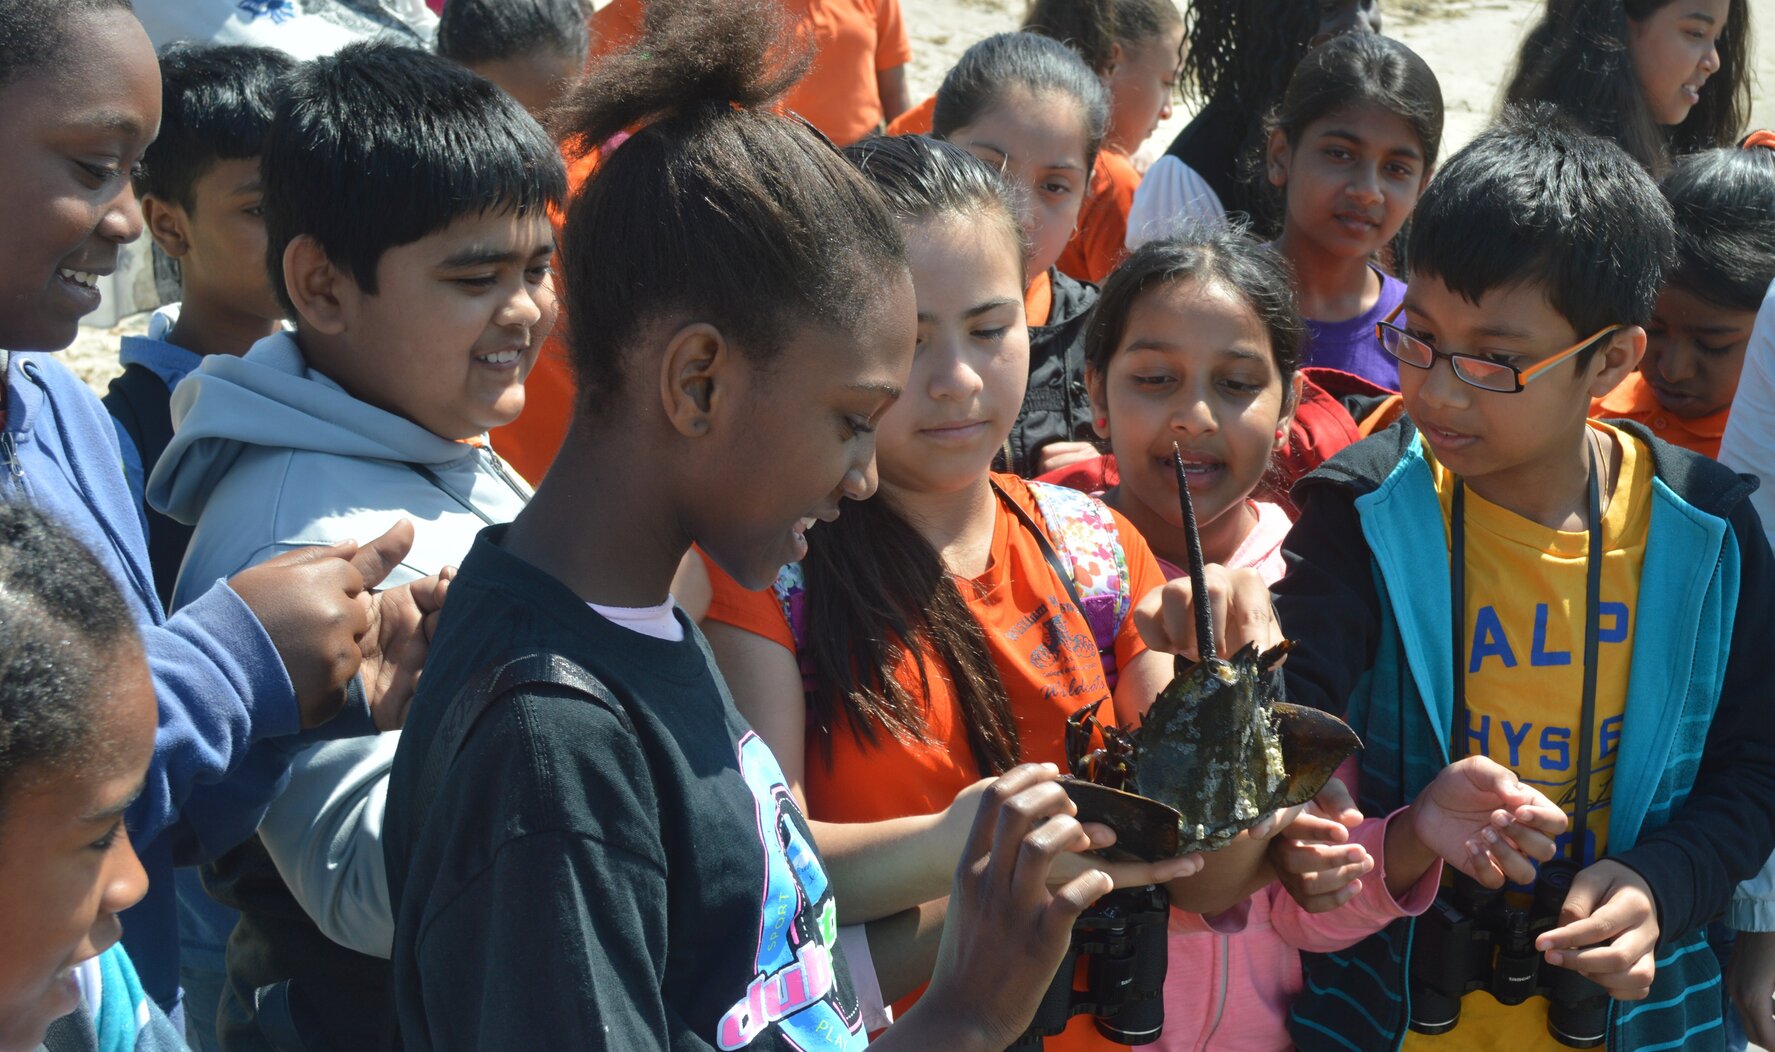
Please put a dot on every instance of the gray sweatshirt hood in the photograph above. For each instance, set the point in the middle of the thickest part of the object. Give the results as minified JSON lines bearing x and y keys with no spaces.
{"x":270,"y":397}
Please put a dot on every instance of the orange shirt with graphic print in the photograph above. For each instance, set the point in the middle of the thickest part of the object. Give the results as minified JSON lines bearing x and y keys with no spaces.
{"x":1045,"y":655}
{"x":855,"y":40}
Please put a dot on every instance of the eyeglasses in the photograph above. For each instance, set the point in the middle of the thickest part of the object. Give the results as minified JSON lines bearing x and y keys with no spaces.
{"x":1482,"y":373}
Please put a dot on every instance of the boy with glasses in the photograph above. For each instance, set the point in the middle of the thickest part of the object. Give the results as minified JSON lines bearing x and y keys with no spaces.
{"x":1580,"y":602}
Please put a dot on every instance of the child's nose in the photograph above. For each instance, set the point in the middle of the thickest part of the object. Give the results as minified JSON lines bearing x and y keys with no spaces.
{"x":1673,"y":363}
{"x":122,"y":220}
{"x":125,"y":879}
{"x":1365,"y":187}
{"x":1442,"y":388}
{"x":1195,"y":418}
{"x":1711,"y":61}
{"x":954,"y":378}
{"x":862,"y":480}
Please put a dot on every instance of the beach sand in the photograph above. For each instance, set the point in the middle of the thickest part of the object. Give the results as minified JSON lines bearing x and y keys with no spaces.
{"x":1469,"y":43}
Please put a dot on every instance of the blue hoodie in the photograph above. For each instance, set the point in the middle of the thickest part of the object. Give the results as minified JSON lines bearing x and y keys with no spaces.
{"x":218,"y":677}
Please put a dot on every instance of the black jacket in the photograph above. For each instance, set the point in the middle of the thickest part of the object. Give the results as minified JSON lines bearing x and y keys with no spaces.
{"x":613,"y":860}
{"x":1055,"y":405}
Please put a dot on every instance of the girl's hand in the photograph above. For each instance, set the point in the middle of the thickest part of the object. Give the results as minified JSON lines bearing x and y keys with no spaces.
{"x":1608,"y":930}
{"x":1482,"y":820}
{"x":1007,"y":929}
{"x":1313,"y":860}
{"x":1239,"y":603}
{"x":1056,"y":455}
{"x":959,"y":816}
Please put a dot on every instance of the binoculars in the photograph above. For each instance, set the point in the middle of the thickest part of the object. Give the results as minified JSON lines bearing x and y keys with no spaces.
{"x":1473,"y":939}
{"x":1123,"y":942}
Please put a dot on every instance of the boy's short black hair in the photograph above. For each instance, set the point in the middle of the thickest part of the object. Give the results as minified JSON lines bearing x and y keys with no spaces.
{"x":215,"y":105}
{"x":380,"y":145}
{"x":476,"y":31}
{"x":1536,"y":201}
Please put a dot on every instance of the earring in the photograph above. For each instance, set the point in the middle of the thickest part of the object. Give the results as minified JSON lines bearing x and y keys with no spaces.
{"x":1102,"y":422}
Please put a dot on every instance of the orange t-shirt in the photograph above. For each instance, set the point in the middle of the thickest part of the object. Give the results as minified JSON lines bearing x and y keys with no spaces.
{"x":1633,"y":399}
{"x":919,"y":120}
{"x":1046,"y":658}
{"x":1100,"y":242}
{"x":1038,"y":300}
{"x":854,"y":41}
{"x":530,"y":442}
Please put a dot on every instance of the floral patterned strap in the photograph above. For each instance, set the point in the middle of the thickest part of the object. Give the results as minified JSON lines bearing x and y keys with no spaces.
{"x":1085,"y":537}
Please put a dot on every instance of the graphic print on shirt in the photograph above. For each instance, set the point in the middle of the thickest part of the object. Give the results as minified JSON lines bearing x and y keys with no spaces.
{"x":1058,"y":644}
{"x":1526,"y":659}
{"x":798,"y":987}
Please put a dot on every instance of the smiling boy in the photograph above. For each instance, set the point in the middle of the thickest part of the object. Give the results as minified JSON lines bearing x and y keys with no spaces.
{"x":1611,"y":592}
{"x":408,"y":238}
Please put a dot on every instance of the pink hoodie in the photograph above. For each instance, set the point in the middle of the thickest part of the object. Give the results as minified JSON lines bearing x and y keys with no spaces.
{"x":1231,"y":977}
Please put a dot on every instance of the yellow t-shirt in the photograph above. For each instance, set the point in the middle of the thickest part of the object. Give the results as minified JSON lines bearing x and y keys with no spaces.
{"x":1525,"y":678}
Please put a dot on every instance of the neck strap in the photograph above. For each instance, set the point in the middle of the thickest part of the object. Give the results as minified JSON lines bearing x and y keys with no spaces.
{"x":1593,"y":556}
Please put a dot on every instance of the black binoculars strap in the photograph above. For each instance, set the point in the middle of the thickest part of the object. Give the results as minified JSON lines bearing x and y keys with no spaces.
{"x":1457,"y":574}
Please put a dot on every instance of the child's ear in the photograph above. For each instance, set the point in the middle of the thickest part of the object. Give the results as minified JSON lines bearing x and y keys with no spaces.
{"x":1276,"y":158}
{"x":1116,"y":55}
{"x":1290,"y":405}
{"x":320,"y":290}
{"x":1619,"y":357}
{"x":1094,"y":390}
{"x":692,"y":377}
{"x":166,"y":224}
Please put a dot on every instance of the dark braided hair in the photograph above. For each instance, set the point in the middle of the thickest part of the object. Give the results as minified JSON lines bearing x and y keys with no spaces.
{"x":62,"y":622}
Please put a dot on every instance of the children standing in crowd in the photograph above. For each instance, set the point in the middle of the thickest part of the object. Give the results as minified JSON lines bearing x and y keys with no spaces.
{"x":1237,"y":61}
{"x":267,"y":652}
{"x":1537,"y":255}
{"x":929,"y":641}
{"x":1193,"y":346}
{"x":1031,"y":109}
{"x":643,"y":877}
{"x":1136,"y":47}
{"x":406,"y":204}
{"x":77,"y":722}
{"x":1661,"y":78}
{"x":1724,"y":202}
{"x":1350,"y":149}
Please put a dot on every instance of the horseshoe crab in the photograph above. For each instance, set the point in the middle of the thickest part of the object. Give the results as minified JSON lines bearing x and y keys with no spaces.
{"x":1218,"y":750}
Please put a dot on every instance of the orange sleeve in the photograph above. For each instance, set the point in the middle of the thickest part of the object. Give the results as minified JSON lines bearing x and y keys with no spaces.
{"x":915,"y":121}
{"x":730,"y":603}
{"x":1143,"y":576}
{"x":891,"y":46}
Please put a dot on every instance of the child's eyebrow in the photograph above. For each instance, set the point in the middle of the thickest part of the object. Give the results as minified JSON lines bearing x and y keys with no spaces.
{"x":886,"y":390}
{"x":480,"y":256}
{"x":989,"y":305}
{"x":1499,"y":331}
{"x":111,"y":814}
{"x":251,"y":186}
{"x":1701,"y":16}
{"x":109,"y":120}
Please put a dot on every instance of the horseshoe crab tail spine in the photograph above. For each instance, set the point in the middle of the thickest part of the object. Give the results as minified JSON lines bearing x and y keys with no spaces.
{"x":1205,"y":643}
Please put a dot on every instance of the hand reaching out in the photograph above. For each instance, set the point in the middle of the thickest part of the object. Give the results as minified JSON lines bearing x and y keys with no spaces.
{"x":1479,"y":817}
{"x":402,"y":621}
{"x":1313,"y":858}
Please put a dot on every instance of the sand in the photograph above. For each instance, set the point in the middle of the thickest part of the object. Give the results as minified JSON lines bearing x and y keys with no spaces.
{"x":1469,"y":43}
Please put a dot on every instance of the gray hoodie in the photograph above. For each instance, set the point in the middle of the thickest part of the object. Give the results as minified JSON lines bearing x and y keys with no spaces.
{"x":270,"y":455}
